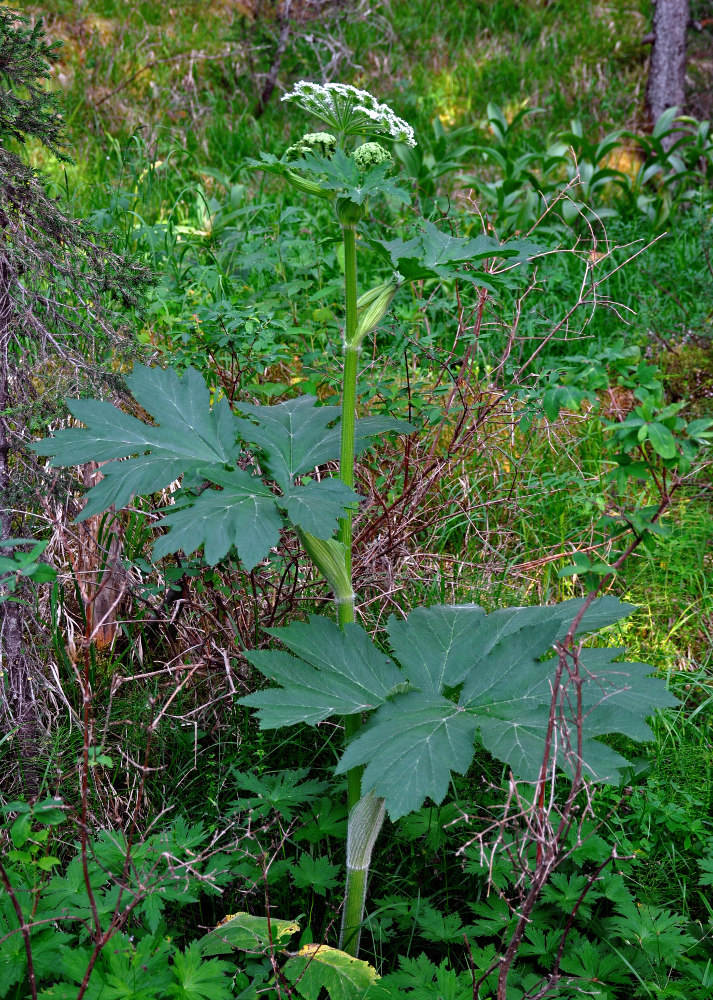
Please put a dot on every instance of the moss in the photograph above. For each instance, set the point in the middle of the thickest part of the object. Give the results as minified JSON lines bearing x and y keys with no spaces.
{"x":688,"y":374}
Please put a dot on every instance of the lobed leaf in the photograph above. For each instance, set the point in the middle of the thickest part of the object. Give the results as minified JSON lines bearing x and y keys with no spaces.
{"x":203,"y":445}
{"x":242,"y":514}
{"x":192,"y":434}
{"x":317,"y":506}
{"x":434,"y":642}
{"x":410,"y":747}
{"x":341,"y":174}
{"x":418,"y":734}
{"x":334,"y":672}
{"x":245,"y":932}
{"x":431,"y":253}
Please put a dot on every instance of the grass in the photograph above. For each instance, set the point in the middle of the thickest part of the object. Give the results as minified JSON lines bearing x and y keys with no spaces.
{"x":186,"y":76}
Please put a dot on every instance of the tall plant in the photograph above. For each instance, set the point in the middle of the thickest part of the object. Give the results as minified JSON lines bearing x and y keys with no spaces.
{"x":454,"y":677}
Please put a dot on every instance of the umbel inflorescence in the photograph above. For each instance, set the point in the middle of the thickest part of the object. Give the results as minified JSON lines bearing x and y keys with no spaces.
{"x":351,"y":111}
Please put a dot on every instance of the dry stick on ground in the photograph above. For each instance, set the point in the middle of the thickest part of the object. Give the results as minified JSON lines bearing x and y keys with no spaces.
{"x":120,"y":915}
{"x":534,"y":819}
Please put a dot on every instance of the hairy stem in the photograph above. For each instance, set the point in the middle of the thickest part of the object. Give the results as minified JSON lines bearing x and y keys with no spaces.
{"x":345,"y":610}
{"x":351,"y":359}
{"x":356,"y":879}
{"x":353,"y":912}
{"x":365,"y":822}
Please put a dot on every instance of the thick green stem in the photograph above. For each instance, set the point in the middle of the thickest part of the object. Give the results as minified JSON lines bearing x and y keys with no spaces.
{"x":351,"y":361}
{"x":365,"y":821}
{"x":345,"y":609}
{"x":353,"y":913}
{"x":356,"y":879}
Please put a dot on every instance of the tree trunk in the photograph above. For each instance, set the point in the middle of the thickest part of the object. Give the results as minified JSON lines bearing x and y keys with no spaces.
{"x":667,"y":69}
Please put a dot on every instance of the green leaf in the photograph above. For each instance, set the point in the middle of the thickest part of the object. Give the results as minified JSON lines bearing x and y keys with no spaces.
{"x":47,"y":862}
{"x":298,"y":435}
{"x":202,"y":443}
{"x":317,"y":506}
{"x":441,"y":928}
{"x":294,"y":436}
{"x":152,"y":909}
{"x":20,"y":829}
{"x":317,"y":874}
{"x":605,"y":611}
{"x":318,"y":967}
{"x":435,"y":643}
{"x":662,"y":440}
{"x":620,"y":696}
{"x":199,"y":979}
{"x":502,"y":663}
{"x":242,"y":514}
{"x":244,"y":932}
{"x":40,"y":572}
{"x":657,"y":932}
{"x":430,"y":253}
{"x":589,"y":960}
{"x":409,"y":747}
{"x":413,"y":742}
{"x":340,"y":173}
{"x":284,"y":792}
{"x":420,"y":979}
{"x":330,"y":820}
{"x":706,"y":866}
{"x":190,"y":435}
{"x":507,"y":670}
{"x":339,"y":672}
{"x":430,"y":823}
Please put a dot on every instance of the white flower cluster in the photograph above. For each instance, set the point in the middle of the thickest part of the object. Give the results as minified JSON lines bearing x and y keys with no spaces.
{"x":350,"y":111}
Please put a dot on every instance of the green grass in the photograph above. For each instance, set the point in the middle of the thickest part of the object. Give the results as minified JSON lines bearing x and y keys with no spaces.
{"x":164,"y":71}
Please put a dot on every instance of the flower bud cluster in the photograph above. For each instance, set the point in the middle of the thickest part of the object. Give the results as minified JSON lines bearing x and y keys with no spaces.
{"x":350,"y":110}
{"x":313,"y":142}
{"x":371,"y":154}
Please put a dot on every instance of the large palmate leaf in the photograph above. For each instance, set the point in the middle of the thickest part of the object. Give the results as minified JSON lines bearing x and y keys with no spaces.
{"x":430,"y":253}
{"x":461,"y":672}
{"x":334,"y":672}
{"x":190,"y":434}
{"x":207,"y":445}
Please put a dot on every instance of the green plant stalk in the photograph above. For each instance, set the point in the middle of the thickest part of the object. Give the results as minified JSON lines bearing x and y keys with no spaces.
{"x":351,"y":359}
{"x":356,"y":879}
{"x":353,"y":913}
{"x":345,"y":609}
{"x":365,"y":822}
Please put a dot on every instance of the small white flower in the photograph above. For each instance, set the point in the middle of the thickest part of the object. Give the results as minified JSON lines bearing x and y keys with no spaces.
{"x":350,"y":111}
